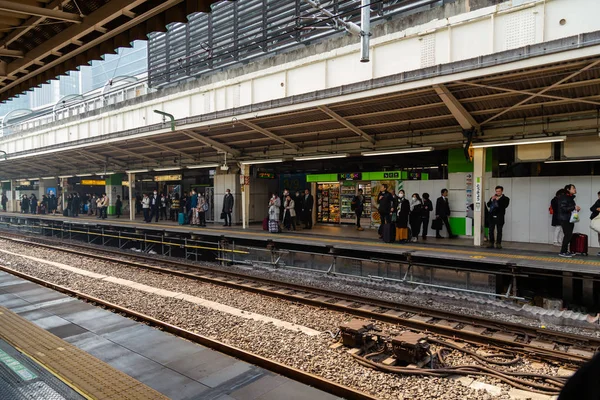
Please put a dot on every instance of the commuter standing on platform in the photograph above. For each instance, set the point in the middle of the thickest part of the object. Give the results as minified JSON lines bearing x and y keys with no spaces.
{"x":289,"y":217}
{"x":416,"y":216}
{"x":146,"y":207}
{"x":193,"y":204}
{"x":427,"y":209}
{"x":33,"y":203}
{"x":52,"y":203}
{"x":558,"y":232}
{"x":274,"y":211}
{"x":118,"y":206}
{"x":307,"y":209}
{"x":227,"y":207}
{"x":202,"y":208}
{"x":442,"y":212}
{"x":105,"y":203}
{"x":76,"y":204}
{"x":385,"y":201}
{"x":595,"y":209}
{"x":566,"y":206}
{"x":154,"y":206}
{"x":4,"y":201}
{"x":497,"y":210}
{"x":163,"y":207}
{"x":359,"y":205}
{"x":175,"y":206}
{"x":402,"y":205}
{"x":298,"y":201}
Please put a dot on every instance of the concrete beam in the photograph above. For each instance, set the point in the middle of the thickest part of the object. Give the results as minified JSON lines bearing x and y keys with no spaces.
{"x":212,"y":143}
{"x":347,"y":124}
{"x":25,"y":9}
{"x":461,"y":115}
{"x":270,"y":134}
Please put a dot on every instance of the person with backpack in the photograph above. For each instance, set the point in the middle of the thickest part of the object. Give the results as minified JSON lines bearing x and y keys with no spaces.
{"x":566,"y":207}
{"x":416,"y":216}
{"x":357,"y":206}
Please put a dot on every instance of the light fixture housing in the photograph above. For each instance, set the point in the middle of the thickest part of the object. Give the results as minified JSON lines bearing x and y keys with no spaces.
{"x":167,"y":169}
{"x":82,"y":175}
{"x":265,"y":161}
{"x":65,"y":176}
{"x":549,"y":139}
{"x":199,"y":166}
{"x":321,"y":157}
{"x":48,"y":177}
{"x":137,"y":171}
{"x":104,"y":173}
{"x":572,"y":161}
{"x":396,"y":151}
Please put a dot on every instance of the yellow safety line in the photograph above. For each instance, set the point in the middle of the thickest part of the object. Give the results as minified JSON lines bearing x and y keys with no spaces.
{"x":473,"y":254}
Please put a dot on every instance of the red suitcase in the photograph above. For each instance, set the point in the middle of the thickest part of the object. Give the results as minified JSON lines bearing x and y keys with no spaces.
{"x":579,"y":244}
{"x":266,"y":224}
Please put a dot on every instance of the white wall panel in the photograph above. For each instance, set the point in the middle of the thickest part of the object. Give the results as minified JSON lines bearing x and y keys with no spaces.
{"x":269,"y":87}
{"x":245,"y":93}
{"x":539,"y":217}
{"x":180,"y":108}
{"x":347,"y":69}
{"x":584,"y":199}
{"x":520,"y":209}
{"x":307,"y":78}
{"x":579,"y":15}
{"x":464,"y":45}
{"x":221,"y":99}
{"x":396,"y":57}
{"x":197,"y":103}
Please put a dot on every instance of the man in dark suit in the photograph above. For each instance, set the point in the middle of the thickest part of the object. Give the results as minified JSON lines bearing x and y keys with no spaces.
{"x":307,"y":207}
{"x":497,"y":206}
{"x":154,"y":206}
{"x":442,"y":212}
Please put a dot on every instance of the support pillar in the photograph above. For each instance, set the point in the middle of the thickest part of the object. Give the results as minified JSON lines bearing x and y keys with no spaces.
{"x":245,"y":188}
{"x":131,"y":185}
{"x":63,"y":195}
{"x":478,"y":195}
{"x":114,"y":187}
{"x":12,"y":197}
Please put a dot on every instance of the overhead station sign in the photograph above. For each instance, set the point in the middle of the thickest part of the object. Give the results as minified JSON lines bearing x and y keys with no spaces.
{"x":166,"y":178}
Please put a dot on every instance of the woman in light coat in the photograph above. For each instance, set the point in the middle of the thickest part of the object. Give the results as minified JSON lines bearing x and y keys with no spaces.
{"x":289,"y":216}
{"x":146,"y":207}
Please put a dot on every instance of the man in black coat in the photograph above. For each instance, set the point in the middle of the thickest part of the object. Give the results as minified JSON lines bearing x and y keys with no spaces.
{"x":566,"y":205}
{"x":595,"y":209}
{"x":442,"y":212}
{"x":385,"y":201}
{"x":307,"y":207}
{"x":227,"y":207}
{"x":497,"y":209}
{"x":154,"y":206}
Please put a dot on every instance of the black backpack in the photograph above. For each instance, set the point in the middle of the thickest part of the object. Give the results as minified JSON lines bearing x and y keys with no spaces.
{"x":354,"y":204}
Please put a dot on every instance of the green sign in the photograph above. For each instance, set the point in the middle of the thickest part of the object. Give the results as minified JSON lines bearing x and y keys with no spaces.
{"x":266,"y":175}
{"x":16,"y":367}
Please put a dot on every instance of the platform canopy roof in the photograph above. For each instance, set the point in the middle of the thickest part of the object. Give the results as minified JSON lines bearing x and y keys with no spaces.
{"x":559,"y":98}
{"x":42,"y":39}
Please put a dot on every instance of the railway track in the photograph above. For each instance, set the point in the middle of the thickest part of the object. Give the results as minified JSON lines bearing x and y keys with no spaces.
{"x":536,"y":343}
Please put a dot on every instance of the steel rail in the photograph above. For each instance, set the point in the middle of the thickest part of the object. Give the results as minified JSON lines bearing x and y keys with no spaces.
{"x":249,"y":357}
{"x":381,"y":310}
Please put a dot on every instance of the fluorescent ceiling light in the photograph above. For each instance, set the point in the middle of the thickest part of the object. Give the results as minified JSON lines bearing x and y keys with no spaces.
{"x":48,"y":177}
{"x":167,"y":169}
{"x":321,"y":157}
{"x":136,"y":171}
{"x":267,"y":161}
{"x":65,"y":176}
{"x":503,"y":164}
{"x":202,"y":166}
{"x":397,"y":151}
{"x":33,"y":179}
{"x":81,"y":175}
{"x":104,"y":173}
{"x":578,"y":160}
{"x":147,"y":180}
{"x":7,"y":181}
{"x":551,"y":139}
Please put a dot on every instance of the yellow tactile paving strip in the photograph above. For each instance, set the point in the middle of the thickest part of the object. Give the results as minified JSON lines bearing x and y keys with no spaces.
{"x":321,"y":240}
{"x":86,"y":374}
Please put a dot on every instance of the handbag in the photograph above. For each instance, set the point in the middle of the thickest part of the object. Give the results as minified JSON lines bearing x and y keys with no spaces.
{"x":574,"y":217}
{"x":394,"y":217}
{"x":595,"y":224}
{"x":223,"y":215}
{"x":436,"y":225}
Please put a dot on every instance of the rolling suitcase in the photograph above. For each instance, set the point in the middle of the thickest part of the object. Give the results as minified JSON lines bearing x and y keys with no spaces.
{"x":266,"y":224}
{"x":389,"y":233}
{"x":579,"y":244}
{"x":181,"y":218}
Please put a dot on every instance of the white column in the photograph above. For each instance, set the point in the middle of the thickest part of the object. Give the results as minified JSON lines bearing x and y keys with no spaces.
{"x":245,"y":188}
{"x":131,"y":180}
{"x":12,"y":199}
{"x":478,"y":195}
{"x":63,"y":185}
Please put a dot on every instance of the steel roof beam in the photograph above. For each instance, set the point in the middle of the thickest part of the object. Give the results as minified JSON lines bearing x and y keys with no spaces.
{"x":28,"y":10}
{"x":11,"y":53}
{"x":462,"y":116}
{"x":347,"y":124}
{"x":212,"y":143}
{"x":553,"y":86}
{"x":97,"y":157}
{"x":160,"y":146}
{"x":270,"y":134}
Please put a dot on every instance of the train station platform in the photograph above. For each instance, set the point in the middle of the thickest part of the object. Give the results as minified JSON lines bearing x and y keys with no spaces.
{"x":457,"y":253}
{"x":55,"y":347}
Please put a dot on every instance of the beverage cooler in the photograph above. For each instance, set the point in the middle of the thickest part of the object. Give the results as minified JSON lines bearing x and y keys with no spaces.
{"x":328,"y":203}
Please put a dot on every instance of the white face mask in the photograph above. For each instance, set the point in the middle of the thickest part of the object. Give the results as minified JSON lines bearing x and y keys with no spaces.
{"x":414,"y":198}
{"x":155,"y":193}
{"x":401,"y":195}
